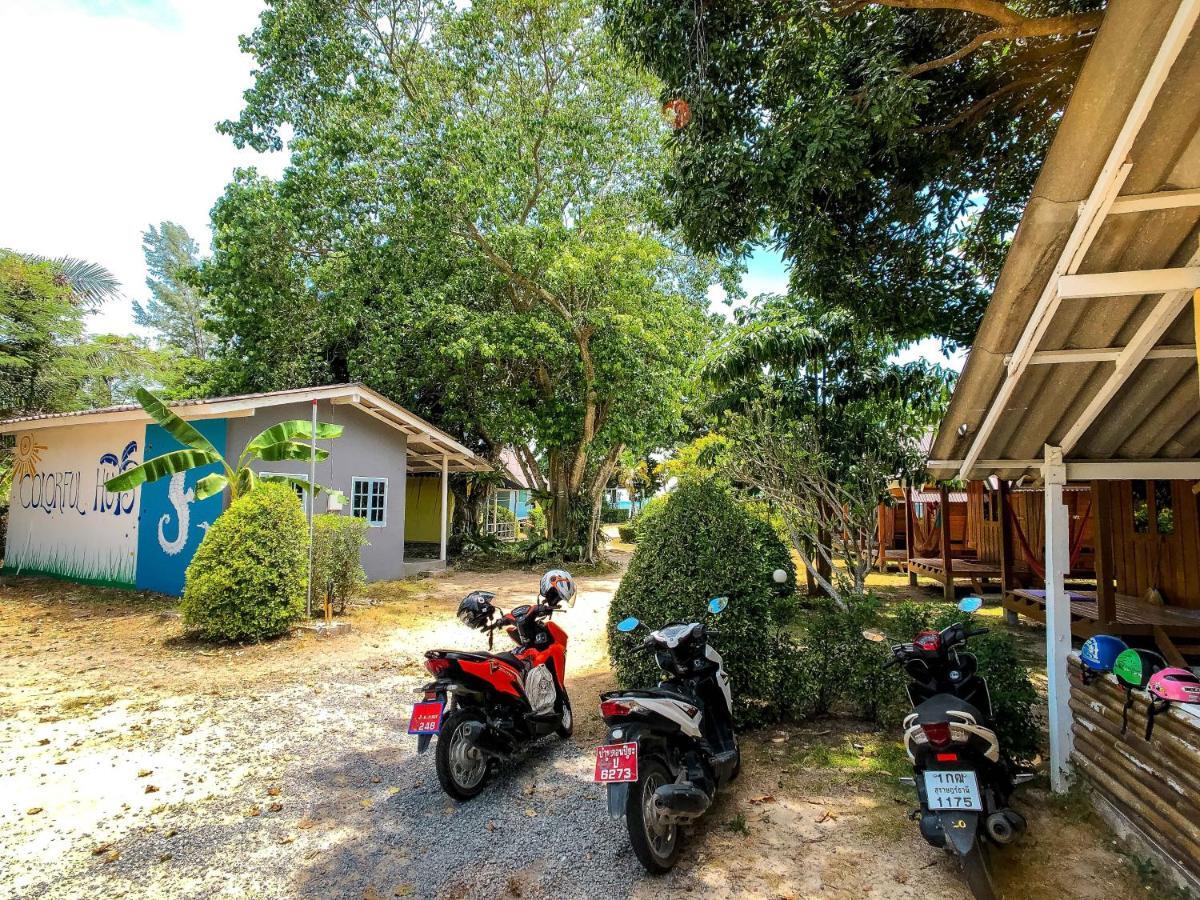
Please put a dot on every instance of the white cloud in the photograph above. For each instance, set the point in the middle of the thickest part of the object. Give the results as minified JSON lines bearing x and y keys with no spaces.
{"x":109,"y":111}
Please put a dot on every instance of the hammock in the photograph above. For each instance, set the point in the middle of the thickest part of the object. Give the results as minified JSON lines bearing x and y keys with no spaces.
{"x":1075,"y":540}
{"x":927,"y":525}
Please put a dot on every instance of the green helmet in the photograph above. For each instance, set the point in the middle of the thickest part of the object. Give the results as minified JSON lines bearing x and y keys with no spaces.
{"x":1133,"y":668}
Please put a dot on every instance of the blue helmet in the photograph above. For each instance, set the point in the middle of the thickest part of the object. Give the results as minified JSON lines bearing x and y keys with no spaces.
{"x":1100,"y":652}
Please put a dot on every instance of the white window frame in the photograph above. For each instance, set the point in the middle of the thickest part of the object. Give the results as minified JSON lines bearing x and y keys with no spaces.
{"x":304,"y":496}
{"x":370,"y":481}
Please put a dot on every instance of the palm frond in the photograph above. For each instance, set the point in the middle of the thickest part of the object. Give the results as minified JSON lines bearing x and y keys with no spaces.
{"x":91,"y":283}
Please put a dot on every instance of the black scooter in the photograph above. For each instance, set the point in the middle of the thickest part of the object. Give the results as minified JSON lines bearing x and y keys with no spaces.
{"x":672,"y":747}
{"x":963,"y":780}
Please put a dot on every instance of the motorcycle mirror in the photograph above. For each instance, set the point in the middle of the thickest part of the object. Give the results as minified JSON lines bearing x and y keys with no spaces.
{"x":970,"y":604}
{"x":780,"y":576}
{"x":717,"y":605}
{"x":628,"y":625}
{"x":875,"y":637}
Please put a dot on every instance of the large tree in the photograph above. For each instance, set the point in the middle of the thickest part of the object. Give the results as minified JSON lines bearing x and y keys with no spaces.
{"x":887,"y":147}
{"x":467,"y":223}
{"x":175,"y":308}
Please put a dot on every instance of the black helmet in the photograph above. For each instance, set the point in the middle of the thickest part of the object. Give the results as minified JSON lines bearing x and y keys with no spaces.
{"x":476,"y":609}
{"x":557,"y":588}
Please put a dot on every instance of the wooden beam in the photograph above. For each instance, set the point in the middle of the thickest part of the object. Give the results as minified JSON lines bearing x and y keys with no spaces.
{"x":1127,"y":469}
{"x":1007,"y":582}
{"x":909,"y":534}
{"x":1128,"y":284}
{"x":947,"y":549}
{"x":1132,"y":203}
{"x":1102,"y":535}
{"x":1108,"y":354}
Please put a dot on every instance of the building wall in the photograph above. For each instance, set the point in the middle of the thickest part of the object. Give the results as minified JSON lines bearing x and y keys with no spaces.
{"x":423,"y":500}
{"x":367,"y":448}
{"x":1147,"y":559}
{"x":61,"y":520}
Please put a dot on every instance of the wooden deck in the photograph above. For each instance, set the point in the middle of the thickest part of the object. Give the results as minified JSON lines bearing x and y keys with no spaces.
{"x":1134,"y":618}
{"x":971,"y":570}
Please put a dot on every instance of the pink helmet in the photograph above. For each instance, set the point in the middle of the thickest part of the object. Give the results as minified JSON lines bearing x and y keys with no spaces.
{"x":1177,"y":685}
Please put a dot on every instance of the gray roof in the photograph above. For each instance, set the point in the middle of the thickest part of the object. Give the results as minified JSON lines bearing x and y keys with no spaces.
{"x":1154,"y":412}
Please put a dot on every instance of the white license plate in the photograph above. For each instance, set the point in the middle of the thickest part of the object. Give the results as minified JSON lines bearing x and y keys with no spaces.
{"x":945,"y":789}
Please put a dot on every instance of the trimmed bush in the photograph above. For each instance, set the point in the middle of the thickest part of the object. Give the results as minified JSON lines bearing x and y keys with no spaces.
{"x":537,"y":519}
{"x":627,"y":533}
{"x":649,"y":510}
{"x":611,"y":515}
{"x":704,"y":544}
{"x":249,"y":577}
{"x":337,"y":560}
{"x":1013,"y":694}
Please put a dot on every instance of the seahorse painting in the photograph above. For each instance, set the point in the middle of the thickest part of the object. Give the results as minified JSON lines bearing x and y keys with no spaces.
{"x":179,"y":498}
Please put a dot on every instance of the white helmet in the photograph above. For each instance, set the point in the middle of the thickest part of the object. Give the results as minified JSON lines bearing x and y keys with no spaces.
{"x":557,"y":588}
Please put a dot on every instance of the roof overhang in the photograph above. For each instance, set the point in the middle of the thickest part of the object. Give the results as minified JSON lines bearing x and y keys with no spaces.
{"x":1087,"y":352}
{"x":429,"y":448}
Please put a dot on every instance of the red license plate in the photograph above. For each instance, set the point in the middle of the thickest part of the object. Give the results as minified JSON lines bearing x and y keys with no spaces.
{"x":616,"y":762}
{"x":426,"y":717}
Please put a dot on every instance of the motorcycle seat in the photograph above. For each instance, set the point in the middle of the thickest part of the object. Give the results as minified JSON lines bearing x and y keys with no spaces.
{"x":661,"y":692}
{"x":938,"y":708}
{"x":505,"y":657}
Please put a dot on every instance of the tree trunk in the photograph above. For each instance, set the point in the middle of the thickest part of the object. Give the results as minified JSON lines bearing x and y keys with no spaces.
{"x":573,"y":517}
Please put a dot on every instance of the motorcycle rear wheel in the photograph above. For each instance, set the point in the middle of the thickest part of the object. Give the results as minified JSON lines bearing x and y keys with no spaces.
{"x":977,"y":871}
{"x":656,"y":845}
{"x":461,"y":769}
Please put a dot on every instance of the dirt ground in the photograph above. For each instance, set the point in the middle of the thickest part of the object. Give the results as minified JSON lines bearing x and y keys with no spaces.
{"x":135,"y":762}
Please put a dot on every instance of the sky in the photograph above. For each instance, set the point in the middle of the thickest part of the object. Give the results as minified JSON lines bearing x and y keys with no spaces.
{"x":116,"y":102}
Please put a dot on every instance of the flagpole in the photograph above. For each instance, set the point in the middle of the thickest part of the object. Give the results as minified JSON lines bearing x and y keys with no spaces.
{"x":312,"y":502}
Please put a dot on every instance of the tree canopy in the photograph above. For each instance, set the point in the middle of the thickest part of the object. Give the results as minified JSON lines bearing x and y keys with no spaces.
{"x":887,"y":147}
{"x":468,"y":222}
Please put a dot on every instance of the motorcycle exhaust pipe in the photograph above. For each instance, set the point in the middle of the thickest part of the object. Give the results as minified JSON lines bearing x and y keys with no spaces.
{"x":1003,"y":826}
{"x":487,"y":741}
{"x":680,"y":803}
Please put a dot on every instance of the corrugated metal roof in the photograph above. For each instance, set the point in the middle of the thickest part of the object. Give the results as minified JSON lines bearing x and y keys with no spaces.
{"x":1156,"y":413}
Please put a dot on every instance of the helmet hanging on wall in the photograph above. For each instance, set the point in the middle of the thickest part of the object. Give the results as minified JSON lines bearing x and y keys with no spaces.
{"x":1099,"y":654}
{"x":1133,"y":669}
{"x":1167,"y":687}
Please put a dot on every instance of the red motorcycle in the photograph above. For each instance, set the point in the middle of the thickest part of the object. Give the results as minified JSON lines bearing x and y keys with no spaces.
{"x":484,"y":707}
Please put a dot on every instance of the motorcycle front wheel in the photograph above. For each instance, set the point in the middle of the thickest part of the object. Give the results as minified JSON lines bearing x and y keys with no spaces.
{"x":461,"y":768}
{"x":656,"y":844}
{"x":977,"y":871}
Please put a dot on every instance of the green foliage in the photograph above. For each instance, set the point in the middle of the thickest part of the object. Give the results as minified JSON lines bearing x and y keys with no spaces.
{"x":700,"y":545}
{"x":627,"y":533}
{"x":176,"y":308}
{"x":249,"y":578}
{"x":291,"y":440}
{"x":537,"y":520}
{"x":337,"y":552}
{"x":1013,"y":694}
{"x":649,"y":511}
{"x":892,"y":192}
{"x":611,"y":515}
{"x":470,"y":192}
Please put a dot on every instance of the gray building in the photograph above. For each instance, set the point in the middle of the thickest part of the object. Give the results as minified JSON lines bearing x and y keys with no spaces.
{"x":390,"y":465}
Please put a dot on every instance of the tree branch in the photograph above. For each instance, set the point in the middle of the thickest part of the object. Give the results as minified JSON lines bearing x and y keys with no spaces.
{"x":988,"y":9}
{"x":1028,"y":28}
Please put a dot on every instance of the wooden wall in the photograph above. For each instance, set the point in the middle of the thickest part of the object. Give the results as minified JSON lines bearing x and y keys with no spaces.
{"x":1142,"y":560}
{"x":983,"y":527}
{"x":1154,"y":784}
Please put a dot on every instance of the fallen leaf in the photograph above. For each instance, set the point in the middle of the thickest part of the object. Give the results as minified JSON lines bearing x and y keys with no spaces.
{"x":306,"y":823}
{"x":33,"y":810}
{"x":143,"y":773}
{"x":372,"y":893}
{"x":163,"y":857}
{"x":101,"y":848}
{"x":254,"y":811}
{"x":151,"y":789}
{"x":287,"y":839}
{"x":112,"y":856}
{"x":532,"y":813}
{"x":275,"y":807}
{"x":274,"y":790}
{"x":170,"y":832}
{"x":393,"y":791}
{"x":365,"y":802}
{"x":403,"y":890}
{"x":764,"y":799}
{"x":43,"y":742}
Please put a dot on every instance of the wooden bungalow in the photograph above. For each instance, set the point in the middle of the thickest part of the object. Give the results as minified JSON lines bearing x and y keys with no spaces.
{"x":1084,"y":369}
{"x":925,"y":538}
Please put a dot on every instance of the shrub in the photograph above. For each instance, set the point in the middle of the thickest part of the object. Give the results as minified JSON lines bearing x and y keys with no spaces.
{"x":611,"y":515}
{"x":537,"y":519}
{"x":248,"y":579}
{"x":627,"y":533}
{"x":1013,"y":694}
{"x":337,"y":559}
{"x":699,"y":545}
{"x":650,"y":509}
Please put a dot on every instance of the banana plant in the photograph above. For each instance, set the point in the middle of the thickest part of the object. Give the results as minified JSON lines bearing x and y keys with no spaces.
{"x":290,"y":441}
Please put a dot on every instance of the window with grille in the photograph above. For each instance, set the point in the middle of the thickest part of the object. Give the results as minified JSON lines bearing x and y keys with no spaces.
{"x":368,"y":500}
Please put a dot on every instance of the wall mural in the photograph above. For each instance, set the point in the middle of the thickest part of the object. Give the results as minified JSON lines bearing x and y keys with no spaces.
{"x":62,"y":521}
{"x":172,"y":522}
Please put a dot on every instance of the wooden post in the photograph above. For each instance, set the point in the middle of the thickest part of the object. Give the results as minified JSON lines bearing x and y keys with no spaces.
{"x":1058,"y":618}
{"x":881,"y":557}
{"x":947,"y":551}
{"x":910,"y":530}
{"x":1102,"y":535}
{"x":445,"y":505}
{"x":1007,"y":581}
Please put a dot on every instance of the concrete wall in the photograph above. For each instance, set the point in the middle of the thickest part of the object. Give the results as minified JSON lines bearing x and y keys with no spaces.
{"x":367,"y":448}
